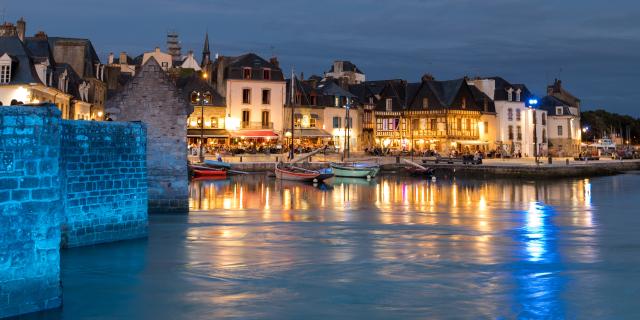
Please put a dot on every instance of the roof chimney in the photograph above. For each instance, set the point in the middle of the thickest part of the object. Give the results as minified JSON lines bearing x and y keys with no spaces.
{"x":111,"y":56}
{"x":274,"y":61}
{"x":427,"y":77}
{"x":41,"y":35}
{"x":21,"y":28}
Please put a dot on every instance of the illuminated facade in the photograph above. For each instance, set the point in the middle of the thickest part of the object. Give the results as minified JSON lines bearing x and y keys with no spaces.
{"x":563,"y":110}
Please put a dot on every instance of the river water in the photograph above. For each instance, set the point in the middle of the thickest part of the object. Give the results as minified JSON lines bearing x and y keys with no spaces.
{"x":255,"y":248}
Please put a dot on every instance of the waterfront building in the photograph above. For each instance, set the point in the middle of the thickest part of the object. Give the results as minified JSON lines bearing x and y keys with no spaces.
{"x":254,"y":92}
{"x":563,"y":111}
{"x":367,"y":95}
{"x":207,"y":121}
{"x":63,"y":71}
{"x":345,"y":72}
{"x":520,"y":127}
{"x":320,"y":117}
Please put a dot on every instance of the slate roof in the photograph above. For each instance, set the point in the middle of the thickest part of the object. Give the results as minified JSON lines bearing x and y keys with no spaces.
{"x":501,"y":87}
{"x":192,"y":83}
{"x":481,"y":98}
{"x":549,"y":103}
{"x":91,"y":57}
{"x":39,"y":49}
{"x":325,"y":92}
{"x":234,"y":65}
{"x":22,"y":70}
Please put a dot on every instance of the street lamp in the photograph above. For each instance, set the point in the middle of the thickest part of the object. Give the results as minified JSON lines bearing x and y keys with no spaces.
{"x":532,"y":103}
{"x":348,"y":125}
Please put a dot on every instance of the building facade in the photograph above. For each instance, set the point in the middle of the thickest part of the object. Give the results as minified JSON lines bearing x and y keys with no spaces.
{"x":563,"y":110}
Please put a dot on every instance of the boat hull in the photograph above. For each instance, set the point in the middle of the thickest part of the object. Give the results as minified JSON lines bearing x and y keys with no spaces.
{"x":217,"y":164}
{"x":354,"y":171}
{"x":310,"y":176}
{"x":198,"y":173}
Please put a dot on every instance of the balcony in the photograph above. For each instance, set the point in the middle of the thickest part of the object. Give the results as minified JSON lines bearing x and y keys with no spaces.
{"x":256,"y":125}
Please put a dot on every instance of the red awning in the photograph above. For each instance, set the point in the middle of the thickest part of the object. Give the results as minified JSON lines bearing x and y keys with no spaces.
{"x":254,"y":134}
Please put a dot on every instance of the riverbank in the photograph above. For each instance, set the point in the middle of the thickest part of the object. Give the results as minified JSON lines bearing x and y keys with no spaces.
{"x":491,"y":168}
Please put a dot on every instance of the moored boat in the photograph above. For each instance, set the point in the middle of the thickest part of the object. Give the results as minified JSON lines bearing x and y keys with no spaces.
{"x":203,"y":171}
{"x":293,"y":173}
{"x":355,"y":170}
{"x":217,"y":164}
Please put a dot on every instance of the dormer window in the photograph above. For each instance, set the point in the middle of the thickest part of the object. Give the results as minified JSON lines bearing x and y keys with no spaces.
{"x":63,"y":82}
{"x":425,"y":103}
{"x":246,"y":73}
{"x":559,"y":111}
{"x":5,"y":69}
{"x":510,"y":94}
{"x":266,"y":74}
{"x":518,"y":95}
{"x":389,"y":104}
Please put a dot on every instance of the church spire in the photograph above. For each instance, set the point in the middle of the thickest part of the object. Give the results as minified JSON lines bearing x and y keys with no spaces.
{"x":206,"y":54}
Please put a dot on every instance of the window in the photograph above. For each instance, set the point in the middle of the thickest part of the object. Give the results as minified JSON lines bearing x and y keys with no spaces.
{"x":297,"y":120}
{"x":246,"y":96}
{"x":517,"y":114}
{"x":245,"y":118}
{"x":206,"y":98}
{"x":434,"y":124}
{"x":459,"y":123}
{"x":314,"y":100}
{"x":337,"y":122}
{"x":486,"y":127}
{"x":313,"y":121}
{"x":415,"y":124}
{"x":266,"y":96}
{"x":510,"y":94}
{"x":265,"y":119}
{"x":378,"y":124}
{"x":5,"y":72}
{"x":559,"y":131}
{"x":266,"y":74}
{"x":468,"y":124}
{"x":349,"y":122}
{"x":519,"y":133}
{"x":246,"y":73}
{"x":464,"y":103}
{"x":559,"y":111}
{"x":510,"y":132}
{"x":165,"y":65}
{"x":425,"y":103}
{"x":544,"y":119}
{"x":518,"y":95}
{"x":544,"y":135}
{"x":214,"y":123}
{"x":510,"y":114}
{"x":389,"y":104}
{"x":195,"y":99}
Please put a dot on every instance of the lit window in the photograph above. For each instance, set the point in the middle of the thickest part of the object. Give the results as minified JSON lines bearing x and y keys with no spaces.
{"x":559,"y":111}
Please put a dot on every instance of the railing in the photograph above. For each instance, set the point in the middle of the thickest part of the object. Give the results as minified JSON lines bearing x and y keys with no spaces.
{"x":256,"y":125}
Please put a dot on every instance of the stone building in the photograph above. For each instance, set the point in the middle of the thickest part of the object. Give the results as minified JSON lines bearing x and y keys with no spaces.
{"x":346,"y":71}
{"x":563,"y":113}
{"x":152,"y":97}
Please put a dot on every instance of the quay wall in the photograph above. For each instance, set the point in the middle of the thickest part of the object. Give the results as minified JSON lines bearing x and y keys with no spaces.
{"x":104,"y":182}
{"x":544,"y":171}
{"x":62,"y":183}
{"x":30,"y":210}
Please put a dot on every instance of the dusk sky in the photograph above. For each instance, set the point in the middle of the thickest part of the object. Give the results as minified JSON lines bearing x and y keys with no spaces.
{"x":593,"y":46}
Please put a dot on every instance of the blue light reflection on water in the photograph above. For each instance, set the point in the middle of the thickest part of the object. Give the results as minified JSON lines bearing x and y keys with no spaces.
{"x":391,"y":248}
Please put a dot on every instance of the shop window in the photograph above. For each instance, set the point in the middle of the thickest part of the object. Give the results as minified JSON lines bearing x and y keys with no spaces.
{"x":214,"y":122}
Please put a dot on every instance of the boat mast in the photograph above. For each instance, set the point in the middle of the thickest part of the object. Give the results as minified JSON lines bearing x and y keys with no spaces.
{"x":292,"y":101}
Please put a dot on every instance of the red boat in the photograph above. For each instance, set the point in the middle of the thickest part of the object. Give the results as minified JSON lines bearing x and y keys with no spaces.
{"x":203,"y":172}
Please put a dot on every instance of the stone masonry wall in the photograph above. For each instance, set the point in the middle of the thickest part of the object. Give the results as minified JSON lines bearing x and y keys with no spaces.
{"x":152,"y":97}
{"x":30,"y":210}
{"x":104,"y":182}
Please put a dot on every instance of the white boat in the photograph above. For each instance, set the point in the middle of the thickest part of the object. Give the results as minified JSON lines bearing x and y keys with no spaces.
{"x":355,"y":170}
{"x":293,"y":173}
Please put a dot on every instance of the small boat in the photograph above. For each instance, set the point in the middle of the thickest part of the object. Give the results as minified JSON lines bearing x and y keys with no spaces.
{"x":419,"y":172}
{"x":217,"y":164}
{"x":355,"y":170}
{"x":202,"y":171}
{"x":293,"y":173}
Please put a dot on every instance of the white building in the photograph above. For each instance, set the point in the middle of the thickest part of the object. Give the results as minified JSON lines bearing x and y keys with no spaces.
{"x":164,"y":59}
{"x":563,"y":109}
{"x":254,"y":91}
{"x":516,"y":118}
{"x":346,"y":70}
